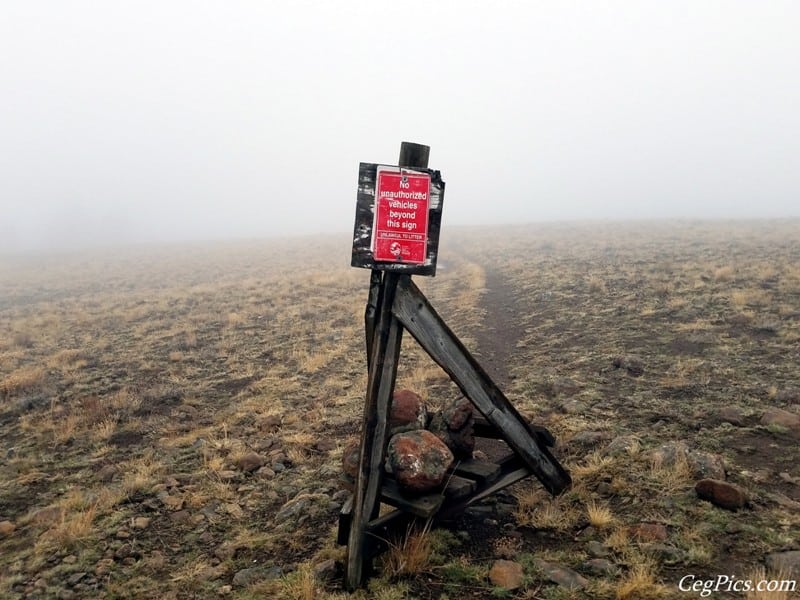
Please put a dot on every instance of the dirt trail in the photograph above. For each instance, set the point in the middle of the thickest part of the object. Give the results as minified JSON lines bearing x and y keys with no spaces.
{"x":500,"y":333}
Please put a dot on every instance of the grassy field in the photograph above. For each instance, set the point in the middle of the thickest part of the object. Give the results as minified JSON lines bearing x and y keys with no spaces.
{"x":172,"y":419}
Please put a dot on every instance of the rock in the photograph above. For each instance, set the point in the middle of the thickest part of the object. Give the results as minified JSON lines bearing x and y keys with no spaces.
{"x":180,"y":516}
{"x":506,"y":574}
{"x":573,"y":406}
{"x":721,"y":493}
{"x":732,"y":415}
{"x":561,"y":575}
{"x":265,"y":473}
{"x":271,"y":422}
{"x":788,"y":396}
{"x":419,"y":461}
{"x":599,"y":566}
{"x":648,"y":532}
{"x":564,"y":386}
{"x":351,"y":457}
{"x":6,"y":529}
{"x":455,"y":426}
{"x":597,"y":549}
{"x":703,"y":465}
{"x":250,"y":462}
{"x":172,"y":502}
{"x":326,"y":570}
{"x":106,"y":473}
{"x":301,"y":508}
{"x":227,"y":475}
{"x":225,"y":590}
{"x":249,"y":576}
{"x":75,"y":578}
{"x":621,"y":445}
{"x":785,"y":562}
{"x":588,"y":439}
{"x":706,"y":465}
{"x":141,"y":522}
{"x":407,"y":412}
{"x":325,"y":445}
{"x":781,"y":418}
{"x":665,"y":553}
{"x":47,"y":515}
{"x":632,"y":364}
{"x":103,"y":567}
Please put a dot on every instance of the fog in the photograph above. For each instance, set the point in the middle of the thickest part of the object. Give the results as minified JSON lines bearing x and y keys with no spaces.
{"x":131,"y":122}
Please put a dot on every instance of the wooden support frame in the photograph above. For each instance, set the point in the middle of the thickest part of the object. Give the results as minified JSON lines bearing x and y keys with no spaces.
{"x":419,"y":318}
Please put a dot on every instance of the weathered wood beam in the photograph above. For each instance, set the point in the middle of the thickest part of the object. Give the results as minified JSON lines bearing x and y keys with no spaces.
{"x":371,"y":311}
{"x":420,"y":319}
{"x":380,"y":384}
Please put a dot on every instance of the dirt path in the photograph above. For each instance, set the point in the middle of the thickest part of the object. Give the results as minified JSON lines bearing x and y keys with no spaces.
{"x":498,"y":337}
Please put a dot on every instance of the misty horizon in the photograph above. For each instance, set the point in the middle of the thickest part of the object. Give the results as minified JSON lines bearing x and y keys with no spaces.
{"x":148,"y":123}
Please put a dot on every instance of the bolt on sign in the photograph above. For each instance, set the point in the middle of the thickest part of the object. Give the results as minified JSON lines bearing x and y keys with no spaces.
{"x":398,"y":218}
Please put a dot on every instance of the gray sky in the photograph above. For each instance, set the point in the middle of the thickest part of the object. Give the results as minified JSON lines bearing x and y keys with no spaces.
{"x":140,"y":121}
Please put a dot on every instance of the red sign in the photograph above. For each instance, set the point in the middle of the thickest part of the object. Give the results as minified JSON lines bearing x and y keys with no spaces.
{"x":400,"y":233}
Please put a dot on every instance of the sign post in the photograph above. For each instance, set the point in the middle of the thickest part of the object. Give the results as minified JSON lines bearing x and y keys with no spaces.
{"x":396,"y":234}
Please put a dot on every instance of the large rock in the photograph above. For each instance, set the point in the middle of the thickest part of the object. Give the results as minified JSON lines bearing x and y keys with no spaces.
{"x":303,"y":508}
{"x":703,"y":465}
{"x":781,"y":418}
{"x":351,"y":457}
{"x":721,"y":493}
{"x":249,"y":462}
{"x":419,"y":461}
{"x":6,"y":528}
{"x":506,"y":574}
{"x":455,"y":426}
{"x":407,"y":412}
{"x":561,"y":575}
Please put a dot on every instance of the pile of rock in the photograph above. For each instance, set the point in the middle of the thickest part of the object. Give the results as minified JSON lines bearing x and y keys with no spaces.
{"x":422,"y":446}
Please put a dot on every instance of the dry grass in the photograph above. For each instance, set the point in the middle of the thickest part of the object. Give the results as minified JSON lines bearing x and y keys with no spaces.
{"x":25,"y":379}
{"x":641,"y":583}
{"x":411,"y":555}
{"x":140,"y":377}
{"x":776,"y":586}
{"x":600,"y":516}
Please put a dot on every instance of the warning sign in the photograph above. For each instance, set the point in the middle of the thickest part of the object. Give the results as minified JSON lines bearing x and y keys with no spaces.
{"x":400,"y":232}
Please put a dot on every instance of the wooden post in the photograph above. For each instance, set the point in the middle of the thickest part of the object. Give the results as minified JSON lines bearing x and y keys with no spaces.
{"x":384,"y":336}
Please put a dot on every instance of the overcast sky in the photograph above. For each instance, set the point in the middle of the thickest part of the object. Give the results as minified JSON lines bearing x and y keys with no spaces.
{"x":139,"y":121}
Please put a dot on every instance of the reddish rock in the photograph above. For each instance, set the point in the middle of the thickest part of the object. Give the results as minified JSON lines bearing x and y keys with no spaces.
{"x":351,"y":457}
{"x":732,"y":415}
{"x":506,"y":574}
{"x":407,"y":412}
{"x":721,"y":493}
{"x":419,"y":461}
{"x":250,"y":462}
{"x":271,"y":422}
{"x":455,"y":426}
{"x":6,"y":528}
{"x":325,"y":445}
{"x":648,"y":532}
{"x":781,"y":418}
